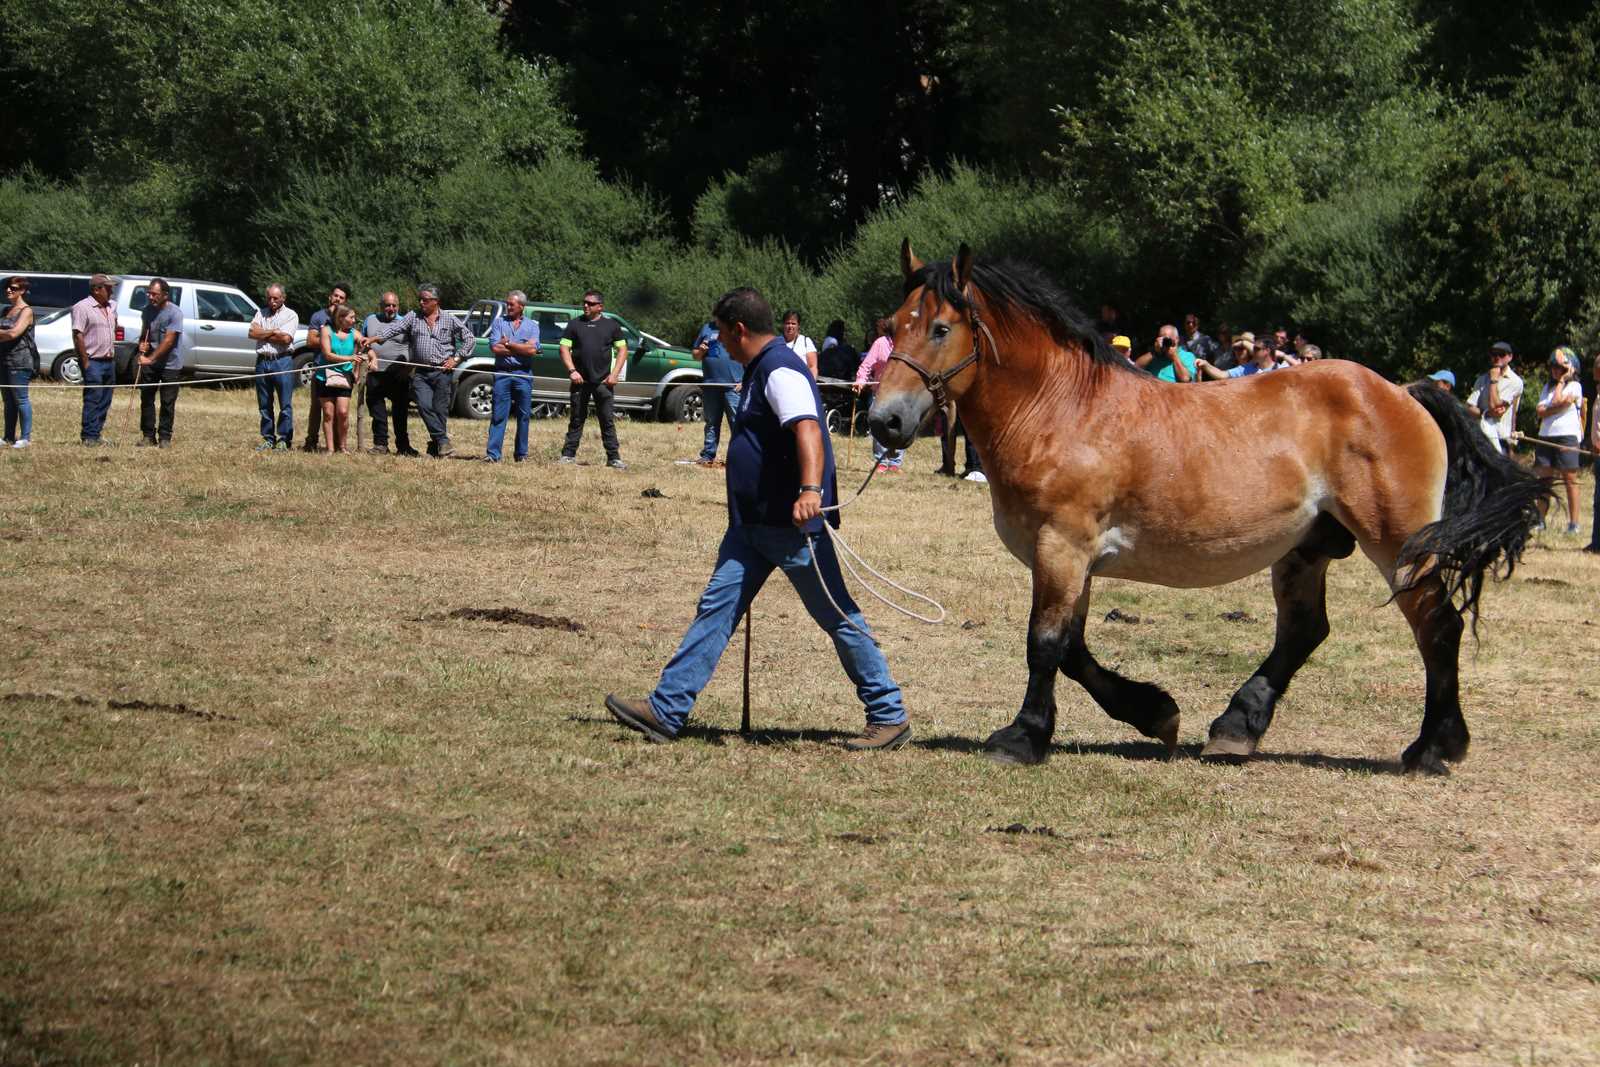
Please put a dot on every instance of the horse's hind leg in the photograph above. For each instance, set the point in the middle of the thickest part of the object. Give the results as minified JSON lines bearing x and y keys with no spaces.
{"x":1437,"y":626}
{"x":1299,"y":586}
{"x":1143,"y":705}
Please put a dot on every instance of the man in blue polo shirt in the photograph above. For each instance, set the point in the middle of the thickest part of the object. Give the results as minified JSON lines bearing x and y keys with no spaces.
{"x":514,"y":341}
{"x":780,"y":477}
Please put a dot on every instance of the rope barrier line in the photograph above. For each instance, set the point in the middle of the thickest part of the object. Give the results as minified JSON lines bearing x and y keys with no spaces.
{"x":830,"y":383}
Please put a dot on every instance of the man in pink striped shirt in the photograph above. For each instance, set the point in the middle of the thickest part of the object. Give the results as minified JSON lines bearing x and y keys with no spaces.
{"x":873,"y":364}
{"x":94,"y":335}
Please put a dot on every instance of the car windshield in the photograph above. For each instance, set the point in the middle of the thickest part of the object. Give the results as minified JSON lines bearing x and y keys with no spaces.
{"x":50,"y":316}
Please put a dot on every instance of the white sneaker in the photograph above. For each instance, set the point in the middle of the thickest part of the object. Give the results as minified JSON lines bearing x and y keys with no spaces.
{"x":977,"y":476}
{"x":21,"y":444}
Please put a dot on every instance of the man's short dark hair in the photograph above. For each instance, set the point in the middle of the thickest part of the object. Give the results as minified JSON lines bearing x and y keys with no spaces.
{"x":153,"y":282}
{"x":747,"y":306}
{"x":595,"y":293}
{"x":349,"y":293}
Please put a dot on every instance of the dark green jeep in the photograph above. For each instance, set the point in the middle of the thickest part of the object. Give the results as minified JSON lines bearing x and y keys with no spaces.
{"x":658,"y":380}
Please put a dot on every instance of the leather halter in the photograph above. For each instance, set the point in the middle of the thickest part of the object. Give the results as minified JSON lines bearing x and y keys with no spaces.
{"x":938,"y":384}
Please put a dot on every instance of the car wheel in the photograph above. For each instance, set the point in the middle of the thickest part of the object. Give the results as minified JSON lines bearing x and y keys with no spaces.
{"x":682,"y":404}
{"x":475,"y":396}
{"x":66,"y":369}
{"x":302,"y":366}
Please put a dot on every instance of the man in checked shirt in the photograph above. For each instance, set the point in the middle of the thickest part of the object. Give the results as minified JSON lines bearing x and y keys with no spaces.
{"x":438,"y":342}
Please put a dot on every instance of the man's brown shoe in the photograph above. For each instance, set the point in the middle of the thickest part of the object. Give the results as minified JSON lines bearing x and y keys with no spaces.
{"x":636,"y":715}
{"x":880,"y":737}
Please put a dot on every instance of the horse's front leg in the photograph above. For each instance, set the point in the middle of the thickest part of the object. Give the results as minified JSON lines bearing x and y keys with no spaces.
{"x":1060,"y":580}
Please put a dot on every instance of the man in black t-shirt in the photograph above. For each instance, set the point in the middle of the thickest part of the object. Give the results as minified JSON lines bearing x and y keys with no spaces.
{"x":594,"y":351}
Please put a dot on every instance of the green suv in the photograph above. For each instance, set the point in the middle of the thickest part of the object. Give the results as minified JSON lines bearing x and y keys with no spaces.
{"x":659,"y":380}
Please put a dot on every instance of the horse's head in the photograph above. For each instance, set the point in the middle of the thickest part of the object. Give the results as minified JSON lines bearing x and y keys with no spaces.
{"x":935,"y":348}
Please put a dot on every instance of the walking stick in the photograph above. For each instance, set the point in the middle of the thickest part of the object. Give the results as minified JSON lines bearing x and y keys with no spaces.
{"x":138,"y":369}
{"x":744,"y":723}
{"x":361,"y":406}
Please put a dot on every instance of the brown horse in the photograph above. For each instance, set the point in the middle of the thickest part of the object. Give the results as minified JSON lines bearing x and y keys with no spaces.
{"x":1097,"y":468}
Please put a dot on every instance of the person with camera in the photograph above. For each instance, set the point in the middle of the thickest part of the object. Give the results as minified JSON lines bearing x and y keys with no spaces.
{"x":1495,"y":396}
{"x":1561,"y":424}
{"x":1263,"y":357}
{"x":1167,"y":359}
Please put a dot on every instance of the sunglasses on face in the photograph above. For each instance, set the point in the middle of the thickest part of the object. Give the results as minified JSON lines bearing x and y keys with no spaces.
{"x":591,"y":303}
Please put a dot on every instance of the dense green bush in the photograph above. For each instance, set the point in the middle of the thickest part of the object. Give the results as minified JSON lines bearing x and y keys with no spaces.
{"x":87,"y":226}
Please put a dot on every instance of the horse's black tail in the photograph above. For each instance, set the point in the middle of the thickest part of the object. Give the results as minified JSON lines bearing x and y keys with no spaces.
{"x":1490,"y":508}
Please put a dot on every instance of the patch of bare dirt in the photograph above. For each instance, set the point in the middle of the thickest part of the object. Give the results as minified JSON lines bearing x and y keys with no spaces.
{"x":510,"y":617}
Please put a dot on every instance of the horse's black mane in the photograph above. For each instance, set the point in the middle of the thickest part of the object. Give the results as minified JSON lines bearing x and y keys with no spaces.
{"x":1011,"y":287}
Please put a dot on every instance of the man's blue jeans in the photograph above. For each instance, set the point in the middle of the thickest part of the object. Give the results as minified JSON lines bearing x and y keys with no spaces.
{"x":746,"y":557}
{"x":716,"y":403}
{"x":97,"y":402}
{"x":513,"y":393}
{"x":18,"y":408}
{"x":280,"y":388}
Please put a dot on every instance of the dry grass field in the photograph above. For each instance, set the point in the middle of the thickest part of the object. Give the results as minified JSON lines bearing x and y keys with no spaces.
{"x":270,"y":793}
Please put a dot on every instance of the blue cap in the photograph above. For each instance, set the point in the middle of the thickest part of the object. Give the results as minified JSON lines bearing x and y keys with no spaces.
{"x":1444,"y":376}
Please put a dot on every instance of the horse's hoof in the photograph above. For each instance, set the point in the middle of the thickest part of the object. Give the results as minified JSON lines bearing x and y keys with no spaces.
{"x":1422,"y":760}
{"x":1225,"y":749}
{"x":1011,"y":746}
{"x":1167,"y":734}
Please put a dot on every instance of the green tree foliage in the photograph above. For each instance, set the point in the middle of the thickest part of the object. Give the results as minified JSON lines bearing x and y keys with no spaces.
{"x":82,"y":227}
{"x":1509,"y":227}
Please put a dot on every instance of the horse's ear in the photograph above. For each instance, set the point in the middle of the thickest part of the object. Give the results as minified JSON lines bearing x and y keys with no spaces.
{"x":962,"y":266}
{"x":909,"y":263}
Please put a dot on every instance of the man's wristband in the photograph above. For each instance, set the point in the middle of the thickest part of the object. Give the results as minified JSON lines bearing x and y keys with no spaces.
{"x":817,"y":489}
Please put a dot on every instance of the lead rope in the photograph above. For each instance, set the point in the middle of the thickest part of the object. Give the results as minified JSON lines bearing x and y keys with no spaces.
{"x":848,"y":554}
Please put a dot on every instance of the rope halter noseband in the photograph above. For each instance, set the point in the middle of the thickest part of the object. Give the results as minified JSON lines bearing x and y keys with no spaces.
{"x":938,"y":383}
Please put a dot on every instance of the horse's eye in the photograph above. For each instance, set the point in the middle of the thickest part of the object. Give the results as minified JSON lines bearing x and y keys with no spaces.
{"x":940,"y":330}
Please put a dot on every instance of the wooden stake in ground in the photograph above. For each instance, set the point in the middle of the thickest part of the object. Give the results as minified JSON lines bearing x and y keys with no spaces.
{"x":744,"y":723}
{"x":850,"y":436}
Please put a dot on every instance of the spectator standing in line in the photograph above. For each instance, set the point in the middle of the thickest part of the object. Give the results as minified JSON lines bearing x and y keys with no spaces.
{"x":1561,"y":423}
{"x":780,"y":477}
{"x":1167,"y":359}
{"x":1495,"y":396}
{"x":338,"y":296}
{"x":336,"y":375}
{"x":272,"y":329}
{"x":18,"y":354}
{"x":1281,"y":342}
{"x":870,"y":372}
{"x":1443,"y":380}
{"x":388,"y":384}
{"x":1225,"y":342}
{"x":94,"y":337}
{"x":593,"y":349}
{"x":514,"y":340}
{"x":160,"y":364}
{"x":799,"y":343}
{"x":1262,"y":358}
{"x":1199,"y":345}
{"x":720,"y":374}
{"x":1109,"y":324}
{"x":436,"y":342}
{"x":1122,"y":345}
{"x":1309,"y":353}
{"x":1594,"y":445}
{"x":836,"y":358}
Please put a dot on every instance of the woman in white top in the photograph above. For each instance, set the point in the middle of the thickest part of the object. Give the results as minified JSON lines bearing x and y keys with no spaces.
{"x":798,"y":342}
{"x":1561,"y":421}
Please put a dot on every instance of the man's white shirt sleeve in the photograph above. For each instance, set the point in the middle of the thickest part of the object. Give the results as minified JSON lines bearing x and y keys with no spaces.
{"x":790,"y":396}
